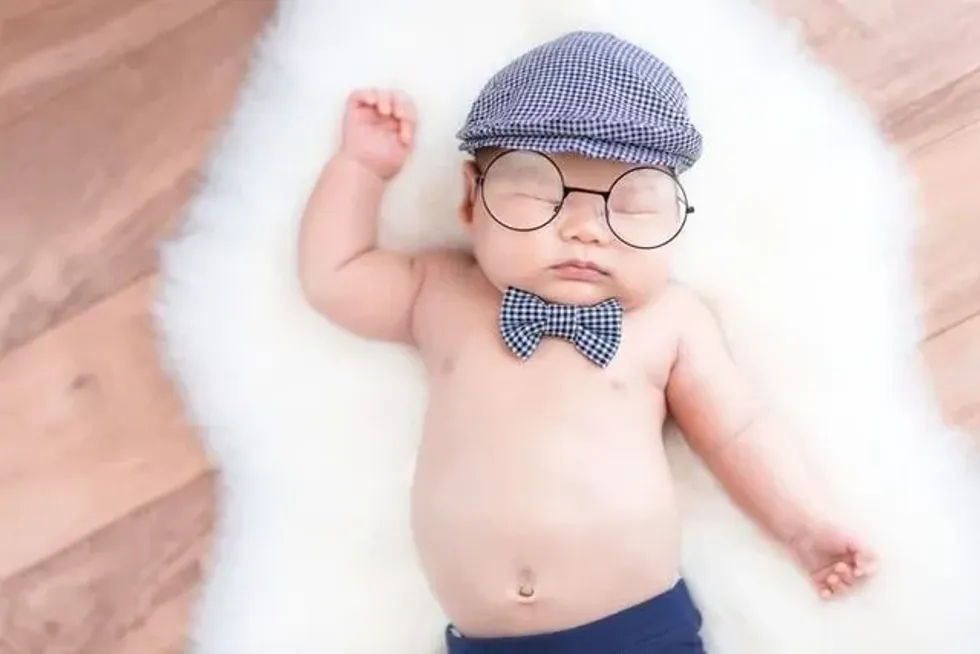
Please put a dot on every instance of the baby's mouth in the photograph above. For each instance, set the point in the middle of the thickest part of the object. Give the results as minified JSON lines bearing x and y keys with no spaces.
{"x":579,"y":270}
{"x":581,"y":264}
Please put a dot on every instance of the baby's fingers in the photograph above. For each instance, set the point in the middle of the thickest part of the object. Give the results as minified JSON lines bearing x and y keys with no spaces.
{"x":836,"y":583}
{"x":402,"y":106}
{"x":381,"y":100}
{"x":364,"y":98}
{"x":404,"y":111}
{"x":864,"y":564}
{"x":385,"y":103}
{"x":844,"y":573}
{"x":829,"y":583}
{"x":378,"y":99}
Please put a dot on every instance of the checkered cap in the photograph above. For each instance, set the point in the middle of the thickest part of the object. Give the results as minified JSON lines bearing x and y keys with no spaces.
{"x":525,"y":319}
{"x":589,"y":93}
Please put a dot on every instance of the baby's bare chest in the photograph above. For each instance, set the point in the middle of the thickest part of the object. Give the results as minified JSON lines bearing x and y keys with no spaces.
{"x":485,"y":395}
{"x":474,"y":369}
{"x":550,"y":422}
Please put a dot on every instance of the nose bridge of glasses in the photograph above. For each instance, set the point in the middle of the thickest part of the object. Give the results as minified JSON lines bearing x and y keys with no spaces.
{"x":590,"y":202}
{"x":583,"y":216}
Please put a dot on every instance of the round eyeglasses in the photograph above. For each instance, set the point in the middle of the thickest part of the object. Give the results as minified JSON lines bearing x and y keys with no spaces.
{"x":523,"y":190}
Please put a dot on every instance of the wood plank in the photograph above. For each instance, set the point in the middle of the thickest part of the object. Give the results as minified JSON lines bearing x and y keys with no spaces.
{"x":13,"y":9}
{"x":879,"y":16}
{"x":88,"y":187}
{"x":47,"y":48}
{"x":821,"y":22}
{"x":954,"y":359}
{"x":126,"y":589}
{"x":901,"y":57}
{"x":6,"y":647}
{"x":165,"y":630}
{"x":918,"y":54}
{"x":918,"y":66}
{"x":937,"y":115}
{"x":947,"y":246}
{"x":91,"y":430}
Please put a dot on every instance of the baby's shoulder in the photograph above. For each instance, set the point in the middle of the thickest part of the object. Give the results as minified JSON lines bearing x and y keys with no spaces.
{"x":685,"y":303}
{"x":678,"y":315}
{"x":696,"y":323}
{"x":446,"y":274}
{"x":676,"y":304}
{"x":445,"y":307}
{"x":444,"y":264}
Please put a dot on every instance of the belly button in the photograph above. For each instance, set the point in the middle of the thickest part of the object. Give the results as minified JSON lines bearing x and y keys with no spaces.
{"x":525,"y":588}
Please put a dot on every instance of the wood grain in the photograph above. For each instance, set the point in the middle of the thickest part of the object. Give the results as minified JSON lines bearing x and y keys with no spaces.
{"x":907,"y":51}
{"x":917,"y":65}
{"x":939,"y":114}
{"x":948,"y":244}
{"x":128,"y":588}
{"x":91,"y":430}
{"x":819,"y":22}
{"x":88,"y":186}
{"x":47,"y":48}
{"x":910,"y":61}
{"x":954,"y":359}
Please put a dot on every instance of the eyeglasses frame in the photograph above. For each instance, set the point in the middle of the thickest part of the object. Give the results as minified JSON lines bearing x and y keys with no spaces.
{"x":568,"y":190}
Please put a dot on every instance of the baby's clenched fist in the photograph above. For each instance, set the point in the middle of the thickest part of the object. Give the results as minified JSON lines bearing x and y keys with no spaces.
{"x":837,"y":562}
{"x":379,"y":130}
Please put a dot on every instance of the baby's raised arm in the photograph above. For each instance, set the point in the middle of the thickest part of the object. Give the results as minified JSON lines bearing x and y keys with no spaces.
{"x":369,"y":291}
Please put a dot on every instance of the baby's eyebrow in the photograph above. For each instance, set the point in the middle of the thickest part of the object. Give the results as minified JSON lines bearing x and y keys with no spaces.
{"x":637,"y":186}
{"x":646,"y":182}
{"x":529,"y":170}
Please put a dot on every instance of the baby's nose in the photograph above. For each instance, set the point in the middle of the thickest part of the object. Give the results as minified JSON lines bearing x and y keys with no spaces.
{"x":584,"y":219}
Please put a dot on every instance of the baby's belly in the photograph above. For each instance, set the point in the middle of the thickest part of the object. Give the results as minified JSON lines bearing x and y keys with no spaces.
{"x":535,"y":511}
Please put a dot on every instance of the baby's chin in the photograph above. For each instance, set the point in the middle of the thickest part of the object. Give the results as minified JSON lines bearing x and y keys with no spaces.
{"x":574,"y":292}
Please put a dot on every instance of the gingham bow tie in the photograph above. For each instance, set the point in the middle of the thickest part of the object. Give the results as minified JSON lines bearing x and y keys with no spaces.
{"x":595,"y":330}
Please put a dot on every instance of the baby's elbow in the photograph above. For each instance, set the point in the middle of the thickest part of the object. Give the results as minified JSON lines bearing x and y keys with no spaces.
{"x":317,"y":289}
{"x":333,"y":303}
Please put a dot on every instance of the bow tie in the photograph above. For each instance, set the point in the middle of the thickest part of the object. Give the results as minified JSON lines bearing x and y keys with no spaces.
{"x":595,"y":330}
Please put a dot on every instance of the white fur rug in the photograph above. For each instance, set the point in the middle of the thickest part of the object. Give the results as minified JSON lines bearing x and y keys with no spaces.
{"x":804,"y":220}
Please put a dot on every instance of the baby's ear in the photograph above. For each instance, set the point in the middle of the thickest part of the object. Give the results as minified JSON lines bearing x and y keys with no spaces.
{"x":470,"y":174}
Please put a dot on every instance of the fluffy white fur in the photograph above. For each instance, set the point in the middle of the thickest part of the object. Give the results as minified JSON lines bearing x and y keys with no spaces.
{"x":800,"y":242}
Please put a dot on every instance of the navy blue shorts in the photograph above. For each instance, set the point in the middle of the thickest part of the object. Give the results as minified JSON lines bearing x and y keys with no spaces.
{"x":667,"y":624}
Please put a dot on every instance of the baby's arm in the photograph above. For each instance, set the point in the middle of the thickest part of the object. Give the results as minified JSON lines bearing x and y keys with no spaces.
{"x":369,"y":291}
{"x":754,"y":453}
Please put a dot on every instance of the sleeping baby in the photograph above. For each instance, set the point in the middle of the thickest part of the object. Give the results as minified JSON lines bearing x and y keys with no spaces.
{"x":557,"y":346}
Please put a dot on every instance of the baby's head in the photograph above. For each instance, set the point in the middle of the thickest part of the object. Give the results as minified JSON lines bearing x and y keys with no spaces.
{"x":577,"y":147}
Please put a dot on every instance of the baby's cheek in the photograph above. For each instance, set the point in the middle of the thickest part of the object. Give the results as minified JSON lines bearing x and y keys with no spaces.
{"x":495,"y":262}
{"x":506,"y":257}
{"x":643,"y":275}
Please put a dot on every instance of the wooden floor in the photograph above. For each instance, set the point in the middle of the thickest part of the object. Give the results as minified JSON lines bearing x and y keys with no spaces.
{"x":106,"y":109}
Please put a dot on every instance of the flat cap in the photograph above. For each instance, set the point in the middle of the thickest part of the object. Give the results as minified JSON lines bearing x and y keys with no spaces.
{"x":590,"y":93}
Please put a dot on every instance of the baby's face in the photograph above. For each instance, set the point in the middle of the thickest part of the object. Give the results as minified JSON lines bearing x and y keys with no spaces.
{"x":575,"y":258}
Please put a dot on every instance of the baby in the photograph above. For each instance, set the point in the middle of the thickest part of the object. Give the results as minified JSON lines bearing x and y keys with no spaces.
{"x":542,"y":506}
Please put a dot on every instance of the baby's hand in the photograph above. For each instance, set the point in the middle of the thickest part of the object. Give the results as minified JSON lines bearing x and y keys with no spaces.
{"x":835,"y":561}
{"x":378,"y":130}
